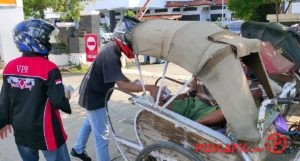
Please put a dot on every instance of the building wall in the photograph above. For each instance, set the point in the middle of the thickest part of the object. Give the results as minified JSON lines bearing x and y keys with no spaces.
{"x":10,"y":15}
{"x":197,"y":13}
{"x":226,"y":12}
{"x":292,"y":16}
{"x":154,"y":3}
{"x":296,"y":7}
{"x":114,"y":4}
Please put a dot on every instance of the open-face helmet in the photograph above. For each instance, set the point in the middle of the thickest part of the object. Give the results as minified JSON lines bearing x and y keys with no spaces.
{"x":33,"y":36}
{"x":122,"y":34}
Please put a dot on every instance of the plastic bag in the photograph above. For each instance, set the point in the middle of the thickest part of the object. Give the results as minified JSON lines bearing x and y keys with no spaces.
{"x":281,"y":124}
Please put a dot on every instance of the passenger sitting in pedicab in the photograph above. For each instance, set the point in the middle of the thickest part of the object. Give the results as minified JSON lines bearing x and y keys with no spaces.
{"x":198,"y":104}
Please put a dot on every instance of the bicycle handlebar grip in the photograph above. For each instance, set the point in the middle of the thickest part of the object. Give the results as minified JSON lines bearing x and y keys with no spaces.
{"x":283,"y":101}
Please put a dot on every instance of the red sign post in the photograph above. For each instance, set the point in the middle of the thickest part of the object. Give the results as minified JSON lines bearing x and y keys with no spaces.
{"x":91,"y":46}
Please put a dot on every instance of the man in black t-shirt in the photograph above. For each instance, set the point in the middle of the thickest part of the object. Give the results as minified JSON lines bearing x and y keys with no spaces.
{"x":103,"y":75}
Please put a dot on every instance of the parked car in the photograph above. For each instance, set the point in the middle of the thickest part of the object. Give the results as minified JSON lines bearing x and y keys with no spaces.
{"x":106,"y":36}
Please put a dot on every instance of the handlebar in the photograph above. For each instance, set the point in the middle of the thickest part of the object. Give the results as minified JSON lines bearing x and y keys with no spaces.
{"x":281,"y":101}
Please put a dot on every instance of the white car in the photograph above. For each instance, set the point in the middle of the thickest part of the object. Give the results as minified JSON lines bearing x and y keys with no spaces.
{"x":105,"y":35}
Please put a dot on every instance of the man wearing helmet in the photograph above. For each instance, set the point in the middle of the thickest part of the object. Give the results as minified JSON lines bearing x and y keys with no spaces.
{"x":32,"y":95}
{"x":104,"y":73}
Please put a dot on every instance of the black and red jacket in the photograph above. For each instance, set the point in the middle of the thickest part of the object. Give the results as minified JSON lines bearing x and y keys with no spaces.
{"x":31,"y":97}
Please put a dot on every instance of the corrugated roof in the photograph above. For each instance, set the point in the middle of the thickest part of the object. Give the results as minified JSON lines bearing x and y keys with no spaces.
{"x":162,"y":16}
{"x":194,"y":3}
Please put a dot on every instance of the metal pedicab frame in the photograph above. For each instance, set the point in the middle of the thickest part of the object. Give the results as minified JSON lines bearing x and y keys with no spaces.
{"x":217,"y":48}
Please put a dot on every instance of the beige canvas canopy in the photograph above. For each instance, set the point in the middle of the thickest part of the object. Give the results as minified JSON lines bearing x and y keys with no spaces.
{"x":212,"y":53}
{"x":188,"y":44}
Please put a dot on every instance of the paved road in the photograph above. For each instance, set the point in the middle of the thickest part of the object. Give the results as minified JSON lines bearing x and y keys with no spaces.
{"x":122,"y":113}
{"x":119,"y":107}
{"x":8,"y":151}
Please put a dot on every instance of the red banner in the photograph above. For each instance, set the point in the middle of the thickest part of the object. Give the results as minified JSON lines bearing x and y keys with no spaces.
{"x":91,"y":46}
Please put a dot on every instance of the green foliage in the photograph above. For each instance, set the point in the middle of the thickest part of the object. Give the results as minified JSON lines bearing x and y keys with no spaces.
{"x":253,"y":9}
{"x":70,"y":9}
{"x":260,"y":13}
{"x":129,"y":13}
{"x":105,"y":26}
{"x":79,"y":69}
{"x":243,"y":9}
{"x":36,"y":8}
{"x":58,"y":48}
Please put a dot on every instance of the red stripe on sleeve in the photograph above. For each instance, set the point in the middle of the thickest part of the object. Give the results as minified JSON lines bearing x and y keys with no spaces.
{"x":60,"y":124}
{"x":48,"y":128}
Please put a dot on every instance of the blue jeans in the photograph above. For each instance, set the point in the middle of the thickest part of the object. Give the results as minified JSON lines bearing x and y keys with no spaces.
{"x":95,"y":121}
{"x":29,"y":154}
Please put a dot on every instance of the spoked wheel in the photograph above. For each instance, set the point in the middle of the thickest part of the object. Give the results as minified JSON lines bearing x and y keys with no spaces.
{"x":166,"y":151}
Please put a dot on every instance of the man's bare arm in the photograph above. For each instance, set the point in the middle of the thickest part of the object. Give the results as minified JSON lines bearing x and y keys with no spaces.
{"x":132,"y":87}
{"x":214,"y":118}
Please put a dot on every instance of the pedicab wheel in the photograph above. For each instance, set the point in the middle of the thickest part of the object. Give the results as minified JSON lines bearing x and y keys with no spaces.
{"x":166,"y":151}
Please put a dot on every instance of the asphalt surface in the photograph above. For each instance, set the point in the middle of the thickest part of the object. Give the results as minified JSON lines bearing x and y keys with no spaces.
{"x":121,"y":112}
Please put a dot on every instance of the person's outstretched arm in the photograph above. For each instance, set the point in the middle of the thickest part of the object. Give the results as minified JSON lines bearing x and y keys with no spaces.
{"x":132,"y":87}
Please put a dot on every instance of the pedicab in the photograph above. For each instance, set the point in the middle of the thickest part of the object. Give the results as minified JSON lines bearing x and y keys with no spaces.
{"x":285,"y":39}
{"x":215,"y":55}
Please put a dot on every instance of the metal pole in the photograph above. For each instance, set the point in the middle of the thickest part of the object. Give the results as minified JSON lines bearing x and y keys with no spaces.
{"x":143,"y":10}
{"x":162,"y":83}
{"x":178,"y":92}
{"x":222,"y":18}
{"x":138,"y":65}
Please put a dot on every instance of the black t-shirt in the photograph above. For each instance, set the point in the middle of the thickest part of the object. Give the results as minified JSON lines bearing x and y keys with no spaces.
{"x":105,"y":71}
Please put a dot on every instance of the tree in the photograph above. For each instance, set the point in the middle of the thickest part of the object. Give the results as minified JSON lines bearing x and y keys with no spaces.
{"x":129,"y":13}
{"x":70,"y":9}
{"x":289,"y":5}
{"x":35,"y":8}
{"x":260,"y":13}
{"x":254,"y":9}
